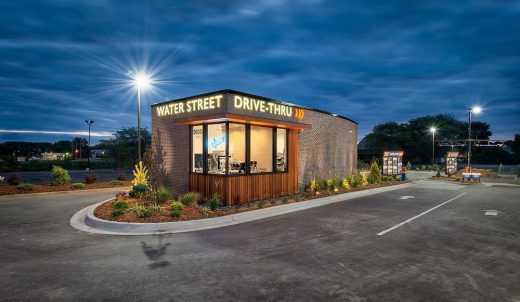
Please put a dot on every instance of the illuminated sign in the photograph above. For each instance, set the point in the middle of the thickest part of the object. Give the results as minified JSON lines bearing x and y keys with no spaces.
{"x":217,"y":141}
{"x":192,"y":105}
{"x":264,"y":106}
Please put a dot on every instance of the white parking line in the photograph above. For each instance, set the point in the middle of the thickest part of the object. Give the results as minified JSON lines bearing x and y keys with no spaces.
{"x":417,"y":216}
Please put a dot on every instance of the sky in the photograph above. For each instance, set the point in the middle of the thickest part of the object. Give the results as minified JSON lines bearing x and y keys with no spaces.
{"x":62,"y":62}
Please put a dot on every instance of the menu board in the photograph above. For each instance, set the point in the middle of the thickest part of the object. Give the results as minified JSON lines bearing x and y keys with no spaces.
{"x":392,"y":162}
{"x":451,"y":162}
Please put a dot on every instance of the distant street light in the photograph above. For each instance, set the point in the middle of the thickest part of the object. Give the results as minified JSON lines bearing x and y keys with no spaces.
{"x":89,"y":122}
{"x":141,"y":81}
{"x":476,"y":110}
{"x":432,"y":130}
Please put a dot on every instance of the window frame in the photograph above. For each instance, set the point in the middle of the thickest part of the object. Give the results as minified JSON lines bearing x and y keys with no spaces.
{"x":248,"y":149}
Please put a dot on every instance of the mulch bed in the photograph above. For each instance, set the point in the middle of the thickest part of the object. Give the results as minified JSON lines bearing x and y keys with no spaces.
{"x":104,"y":211}
{"x":12,"y":190}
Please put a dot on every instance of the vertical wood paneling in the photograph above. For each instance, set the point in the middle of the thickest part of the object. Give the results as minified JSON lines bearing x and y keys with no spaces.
{"x":239,"y":189}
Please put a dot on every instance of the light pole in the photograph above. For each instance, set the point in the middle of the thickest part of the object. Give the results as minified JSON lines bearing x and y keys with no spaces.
{"x":141,"y":81}
{"x":432,"y":130}
{"x":475,"y":110}
{"x":89,"y":122}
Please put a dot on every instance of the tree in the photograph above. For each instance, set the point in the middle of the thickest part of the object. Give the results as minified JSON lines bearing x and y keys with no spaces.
{"x":81,"y":148}
{"x":123,"y":147}
{"x":62,"y":146}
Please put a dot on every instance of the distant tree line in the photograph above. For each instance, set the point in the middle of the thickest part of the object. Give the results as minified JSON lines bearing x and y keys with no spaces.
{"x":415,"y":139}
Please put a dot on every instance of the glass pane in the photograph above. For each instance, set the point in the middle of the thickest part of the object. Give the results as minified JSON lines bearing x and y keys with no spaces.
{"x":261,"y":149}
{"x":281,"y":149}
{"x":237,"y":149}
{"x":217,"y":148}
{"x":196,"y":147}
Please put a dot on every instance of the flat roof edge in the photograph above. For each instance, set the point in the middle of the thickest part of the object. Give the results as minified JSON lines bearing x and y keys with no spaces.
{"x":256,"y":96}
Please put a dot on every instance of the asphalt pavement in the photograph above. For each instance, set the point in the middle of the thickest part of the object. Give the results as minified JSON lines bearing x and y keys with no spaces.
{"x":453,"y":252}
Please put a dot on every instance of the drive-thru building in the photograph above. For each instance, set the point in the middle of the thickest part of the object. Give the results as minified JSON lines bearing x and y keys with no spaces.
{"x":248,"y":147}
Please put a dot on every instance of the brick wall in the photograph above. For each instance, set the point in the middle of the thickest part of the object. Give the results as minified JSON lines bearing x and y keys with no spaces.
{"x":327,"y":149}
{"x":170,"y":142}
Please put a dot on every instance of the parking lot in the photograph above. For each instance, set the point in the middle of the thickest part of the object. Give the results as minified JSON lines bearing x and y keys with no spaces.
{"x":430,"y":241}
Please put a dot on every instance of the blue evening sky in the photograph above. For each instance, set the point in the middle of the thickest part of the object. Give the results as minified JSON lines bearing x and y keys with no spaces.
{"x":62,"y":62}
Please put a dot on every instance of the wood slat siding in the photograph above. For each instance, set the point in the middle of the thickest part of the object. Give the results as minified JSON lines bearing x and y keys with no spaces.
{"x":239,"y":189}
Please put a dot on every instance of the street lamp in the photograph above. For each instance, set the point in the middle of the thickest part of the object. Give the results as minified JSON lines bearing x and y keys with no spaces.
{"x":476,"y":110}
{"x":432,"y":130}
{"x":89,"y":122}
{"x":141,"y":81}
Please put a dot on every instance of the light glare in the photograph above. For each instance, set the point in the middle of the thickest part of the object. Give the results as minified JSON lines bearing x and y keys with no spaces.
{"x":433,"y":129}
{"x":142,"y":80}
{"x":476,"y":109}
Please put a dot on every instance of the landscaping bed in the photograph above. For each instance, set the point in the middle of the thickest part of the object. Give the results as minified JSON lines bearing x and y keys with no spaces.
{"x":198,"y":208}
{"x":458,"y":175}
{"x":12,"y":190}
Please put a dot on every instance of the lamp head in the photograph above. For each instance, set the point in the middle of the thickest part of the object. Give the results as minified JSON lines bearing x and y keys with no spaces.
{"x":433,"y":129}
{"x":476,"y":109}
{"x":142,"y":80}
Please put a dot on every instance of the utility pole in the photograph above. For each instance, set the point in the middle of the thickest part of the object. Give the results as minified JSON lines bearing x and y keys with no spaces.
{"x":89,"y":123}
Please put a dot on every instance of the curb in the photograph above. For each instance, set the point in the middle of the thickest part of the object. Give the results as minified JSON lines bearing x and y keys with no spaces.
{"x":24,"y":195}
{"x":84,"y":220}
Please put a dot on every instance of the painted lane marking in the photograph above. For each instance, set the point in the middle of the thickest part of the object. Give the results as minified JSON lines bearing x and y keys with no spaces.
{"x":406,"y":197}
{"x":491,"y":212}
{"x":417,"y":216}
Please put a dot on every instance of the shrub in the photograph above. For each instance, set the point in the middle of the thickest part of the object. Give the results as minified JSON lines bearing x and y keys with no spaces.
{"x":155,"y":207}
{"x":313,"y":186}
{"x":261,"y":203}
{"x":176,"y":208}
{"x":141,"y":210}
{"x":273,"y":201}
{"x":119,"y":207}
{"x":409,"y":165}
{"x":214,"y":201}
{"x":59,"y":175}
{"x":140,"y":175}
{"x":90,"y":178}
{"x":162,"y":194}
{"x":189,"y":198}
{"x":330,"y":185}
{"x":205,"y":210}
{"x":285,"y":199}
{"x":423,"y":167}
{"x":374,"y":177}
{"x":501,"y":169}
{"x":117,"y":183}
{"x":356,"y":180}
{"x":14,"y":179}
{"x":1,"y":180}
{"x":139,"y":191}
{"x":121,"y":176}
{"x":364,"y":179}
{"x":26,"y":187}
{"x":344,"y":183}
{"x":77,"y":185}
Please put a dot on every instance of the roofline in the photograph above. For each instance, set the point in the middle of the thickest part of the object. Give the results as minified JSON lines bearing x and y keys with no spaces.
{"x":256,"y":96}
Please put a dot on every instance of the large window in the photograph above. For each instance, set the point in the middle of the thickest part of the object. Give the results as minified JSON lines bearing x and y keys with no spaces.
{"x":197,"y":159}
{"x":237,"y":148}
{"x":281,"y":150}
{"x":261,"y":149}
{"x":234,"y":149}
{"x":217,"y":148}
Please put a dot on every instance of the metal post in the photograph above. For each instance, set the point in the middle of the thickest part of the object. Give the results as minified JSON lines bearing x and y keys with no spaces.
{"x":433,"y":148}
{"x":469,"y":142}
{"x":139,"y":123}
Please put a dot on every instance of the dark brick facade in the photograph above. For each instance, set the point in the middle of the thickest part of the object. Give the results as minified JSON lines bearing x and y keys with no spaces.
{"x":329,"y":148}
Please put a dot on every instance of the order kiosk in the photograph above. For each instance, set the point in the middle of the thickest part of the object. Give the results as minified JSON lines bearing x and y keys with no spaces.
{"x":451,"y":162}
{"x":392,"y":162}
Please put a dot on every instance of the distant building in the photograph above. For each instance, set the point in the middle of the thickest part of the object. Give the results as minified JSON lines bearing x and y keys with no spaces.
{"x":53,"y":156}
{"x":99,"y":153}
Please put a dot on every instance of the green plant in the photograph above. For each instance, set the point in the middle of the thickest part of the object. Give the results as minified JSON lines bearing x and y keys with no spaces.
{"x":214,"y":201}
{"x":26,"y":187}
{"x":140,"y":210}
{"x":59,"y":176}
{"x":154,"y":207}
{"x":77,"y":185}
{"x":119,"y":207}
{"x":273,"y":201}
{"x":176,"y":208}
{"x":189,"y":198}
{"x":139,"y":191}
{"x":501,"y":168}
{"x":1,"y":180}
{"x":285,"y":199}
{"x":117,"y":183}
{"x":205,"y":210}
{"x":261,"y":203}
{"x":356,"y":180}
{"x":163,"y":194}
{"x":423,"y":167}
{"x":409,"y":165}
{"x":90,"y":178}
{"x":344,"y":183}
{"x":374,"y":177}
{"x":140,"y":175}
{"x":313,"y":186}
